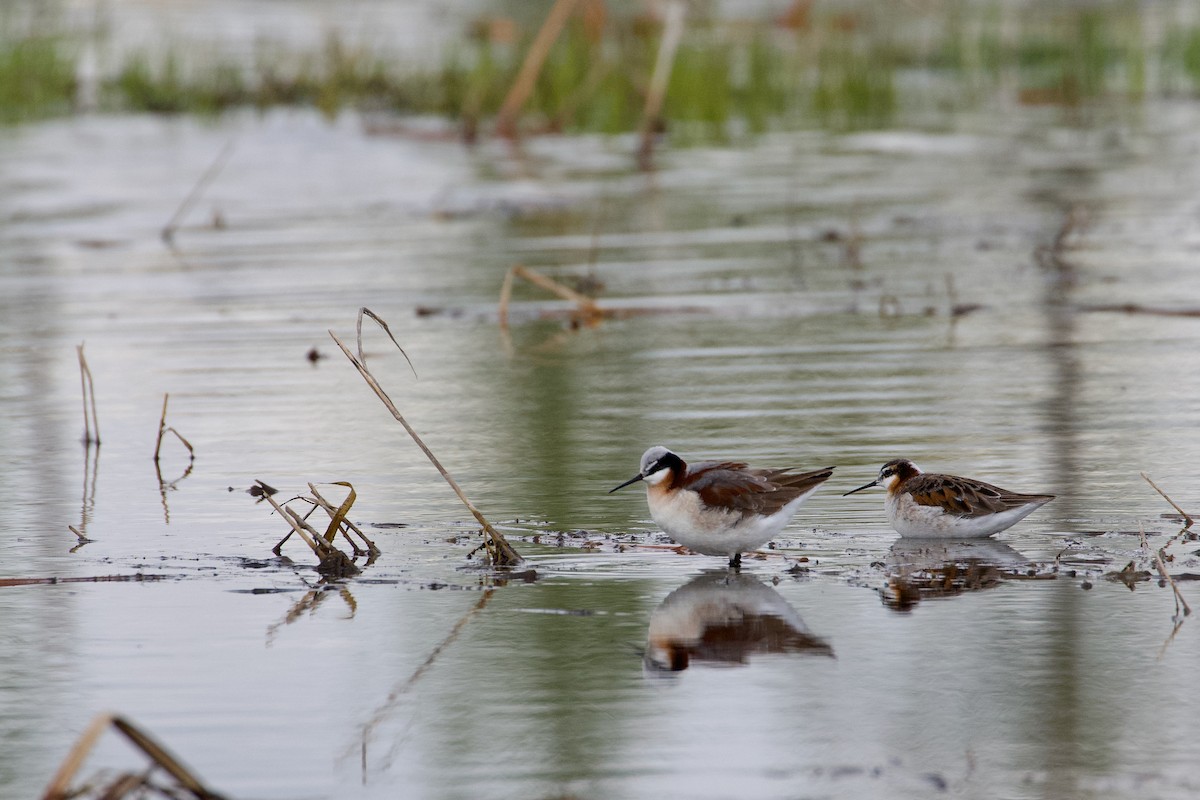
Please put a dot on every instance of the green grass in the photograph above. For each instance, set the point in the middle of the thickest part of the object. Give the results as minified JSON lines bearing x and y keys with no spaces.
{"x":842,"y":70}
{"x":37,"y":79}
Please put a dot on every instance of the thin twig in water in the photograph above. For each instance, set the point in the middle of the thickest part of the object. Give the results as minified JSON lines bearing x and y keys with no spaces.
{"x":207,"y":177}
{"x":1166,"y":576}
{"x":1187,"y":519}
{"x":163,"y":429}
{"x":499,"y":550}
{"x":366,"y":312}
{"x":89,"y":396}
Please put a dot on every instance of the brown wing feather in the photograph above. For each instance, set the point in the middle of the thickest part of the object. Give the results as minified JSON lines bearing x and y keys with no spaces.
{"x":760,"y":491}
{"x":964,"y":497}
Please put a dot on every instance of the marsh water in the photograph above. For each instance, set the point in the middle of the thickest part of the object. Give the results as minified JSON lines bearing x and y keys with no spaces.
{"x":810,"y":299}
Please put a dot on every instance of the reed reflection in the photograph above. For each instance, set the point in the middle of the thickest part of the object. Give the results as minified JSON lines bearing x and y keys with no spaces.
{"x":721,"y":618}
{"x":918,"y":569}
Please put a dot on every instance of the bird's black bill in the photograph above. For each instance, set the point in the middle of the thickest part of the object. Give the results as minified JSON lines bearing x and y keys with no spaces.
{"x":865,"y":486}
{"x":634,"y":479}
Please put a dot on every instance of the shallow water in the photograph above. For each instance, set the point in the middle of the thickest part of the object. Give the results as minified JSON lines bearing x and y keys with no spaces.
{"x":765,"y":338}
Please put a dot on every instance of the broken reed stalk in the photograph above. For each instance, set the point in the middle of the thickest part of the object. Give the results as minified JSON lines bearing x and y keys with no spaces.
{"x":506,"y":118}
{"x":332,"y":560}
{"x":338,"y":519}
{"x":60,"y":784}
{"x":499,"y":550}
{"x":585,"y":306}
{"x":89,"y":398}
{"x":660,"y":78}
{"x":207,"y":177}
{"x":163,"y":429}
{"x":1166,"y":576}
{"x":1187,"y":519}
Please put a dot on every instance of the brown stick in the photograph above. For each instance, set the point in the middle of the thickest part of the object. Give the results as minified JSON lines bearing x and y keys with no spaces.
{"x":506,"y":119}
{"x":1186,"y":517}
{"x":672,"y":33}
{"x":89,"y":393}
{"x":584,"y":302}
{"x":60,"y":784}
{"x":1166,"y":576}
{"x":162,"y":428}
{"x":500,"y":551}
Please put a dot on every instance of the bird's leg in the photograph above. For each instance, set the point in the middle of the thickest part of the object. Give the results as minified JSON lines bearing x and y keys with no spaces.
{"x":735,"y":561}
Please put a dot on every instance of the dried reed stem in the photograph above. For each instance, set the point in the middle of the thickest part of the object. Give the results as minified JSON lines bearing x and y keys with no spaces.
{"x":162,"y":428}
{"x":332,"y":560}
{"x":1166,"y":576}
{"x":585,"y":306}
{"x":672,"y":34}
{"x":60,"y":784}
{"x":338,"y":516}
{"x":1187,"y":519}
{"x":499,"y":550}
{"x":89,"y":398}
{"x":506,"y":118}
{"x":206,"y":177}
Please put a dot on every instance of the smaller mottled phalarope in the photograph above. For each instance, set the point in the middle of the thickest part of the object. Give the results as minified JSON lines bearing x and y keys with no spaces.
{"x":721,"y":508}
{"x":920,"y":504}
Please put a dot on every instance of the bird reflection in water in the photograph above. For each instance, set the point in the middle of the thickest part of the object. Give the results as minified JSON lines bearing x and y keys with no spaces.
{"x":918,"y":569}
{"x":722,"y":618}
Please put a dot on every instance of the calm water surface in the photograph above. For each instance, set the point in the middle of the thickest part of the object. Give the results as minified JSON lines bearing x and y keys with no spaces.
{"x":801,"y":294}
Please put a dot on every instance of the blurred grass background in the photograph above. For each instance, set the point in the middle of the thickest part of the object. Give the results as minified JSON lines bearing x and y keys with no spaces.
{"x":842,"y":66}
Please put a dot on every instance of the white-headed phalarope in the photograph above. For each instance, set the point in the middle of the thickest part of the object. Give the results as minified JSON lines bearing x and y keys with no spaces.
{"x":721,"y":508}
{"x":920,"y":504}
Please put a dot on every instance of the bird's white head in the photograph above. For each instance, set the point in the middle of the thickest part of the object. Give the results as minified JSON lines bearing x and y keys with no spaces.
{"x":658,"y":464}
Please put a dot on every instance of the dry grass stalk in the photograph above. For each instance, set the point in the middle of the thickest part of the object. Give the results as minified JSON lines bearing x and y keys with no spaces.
{"x":1166,"y":576}
{"x":332,"y":562}
{"x":163,"y":429}
{"x":651,"y":113}
{"x":126,"y":784}
{"x":89,"y":399}
{"x":506,"y":118}
{"x":338,"y":521}
{"x":207,"y":177}
{"x":1187,"y":519}
{"x":586,"y":311}
{"x":499,"y":550}
{"x":366,"y":312}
